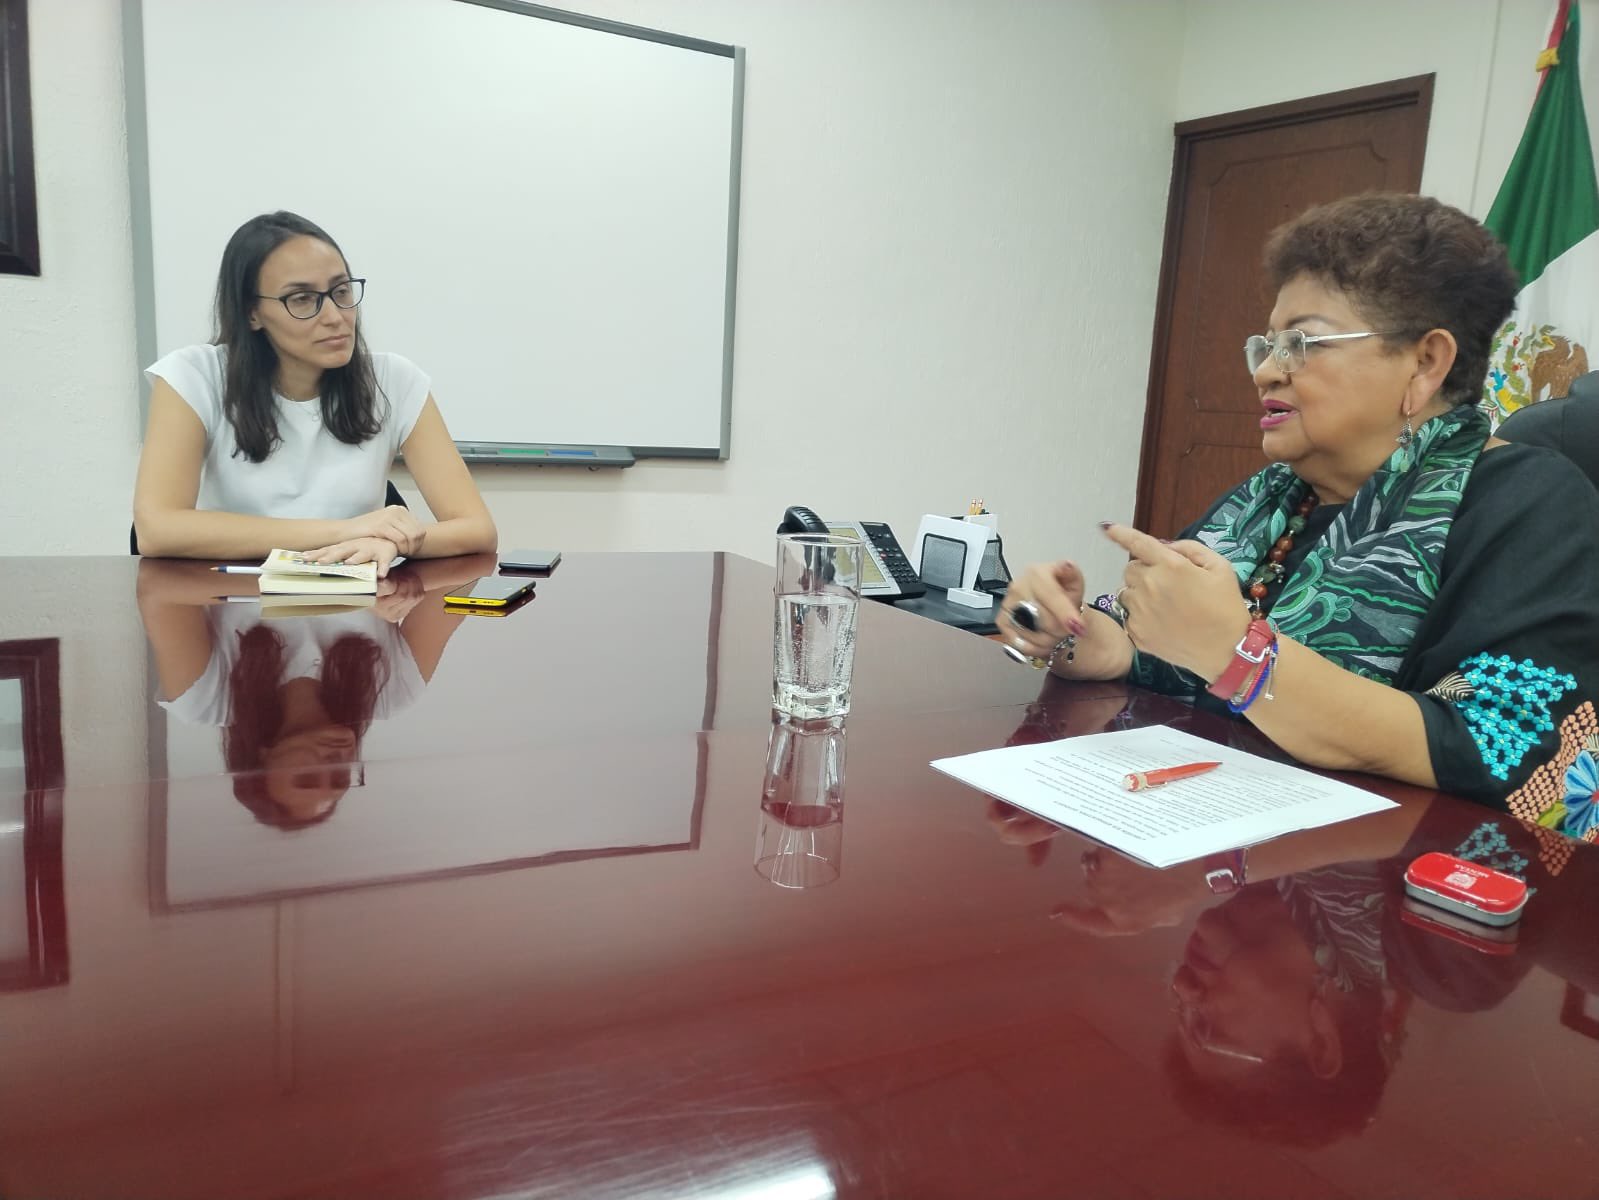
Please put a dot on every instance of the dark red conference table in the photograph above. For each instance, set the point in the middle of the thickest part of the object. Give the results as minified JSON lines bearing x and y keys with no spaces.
{"x":513,"y":943}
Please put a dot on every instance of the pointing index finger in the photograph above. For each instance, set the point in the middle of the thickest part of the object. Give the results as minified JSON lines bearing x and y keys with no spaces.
{"x":1141,"y":546}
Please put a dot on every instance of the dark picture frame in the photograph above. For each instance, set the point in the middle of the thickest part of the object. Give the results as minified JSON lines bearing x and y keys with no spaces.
{"x":36,"y":663}
{"x":19,"y":204}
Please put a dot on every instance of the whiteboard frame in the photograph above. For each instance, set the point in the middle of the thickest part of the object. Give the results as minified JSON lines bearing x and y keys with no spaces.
{"x":143,"y":228}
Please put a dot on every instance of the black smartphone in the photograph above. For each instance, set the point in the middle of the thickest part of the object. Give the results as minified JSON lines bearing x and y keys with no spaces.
{"x":491,"y":591}
{"x":540,"y":561}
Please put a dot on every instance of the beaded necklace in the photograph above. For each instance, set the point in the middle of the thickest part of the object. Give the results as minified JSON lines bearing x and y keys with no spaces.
{"x":1271,"y":567}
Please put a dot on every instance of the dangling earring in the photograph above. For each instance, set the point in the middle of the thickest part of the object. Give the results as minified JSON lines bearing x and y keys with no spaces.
{"x":1406,"y":435}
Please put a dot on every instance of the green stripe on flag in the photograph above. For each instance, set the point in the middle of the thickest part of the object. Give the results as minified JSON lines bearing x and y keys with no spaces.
{"x":1549,"y":200}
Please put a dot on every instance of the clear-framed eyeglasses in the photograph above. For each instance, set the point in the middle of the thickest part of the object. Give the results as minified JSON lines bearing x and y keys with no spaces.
{"x":1286,"y":348}
{"x":303,"y":305}
{"x":1196,"y":1026}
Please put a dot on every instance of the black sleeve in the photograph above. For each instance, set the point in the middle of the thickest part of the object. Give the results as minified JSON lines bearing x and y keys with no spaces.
{"x":1569,"y":425}
{"x":1504,"y":663}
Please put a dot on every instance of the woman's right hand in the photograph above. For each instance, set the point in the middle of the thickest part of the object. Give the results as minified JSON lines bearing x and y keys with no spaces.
{"x":357,"y":551}
{"x":1056,"y":591}
{"x":394,"y":523}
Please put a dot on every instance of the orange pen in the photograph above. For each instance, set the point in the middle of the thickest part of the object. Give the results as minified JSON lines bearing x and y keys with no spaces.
{"x":1139,"y":780}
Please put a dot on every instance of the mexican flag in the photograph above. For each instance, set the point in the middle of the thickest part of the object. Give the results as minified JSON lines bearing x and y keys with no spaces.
{"x":1547,"y":215}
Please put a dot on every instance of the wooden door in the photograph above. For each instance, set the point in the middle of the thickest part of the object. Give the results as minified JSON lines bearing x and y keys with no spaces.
{"x":1234,"y":178}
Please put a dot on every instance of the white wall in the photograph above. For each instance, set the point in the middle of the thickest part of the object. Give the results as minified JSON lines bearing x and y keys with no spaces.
{"x":1235,"y":53}
{"x":951,"y":217}
{"x":68,"y":412}
{"x":950,"y":235}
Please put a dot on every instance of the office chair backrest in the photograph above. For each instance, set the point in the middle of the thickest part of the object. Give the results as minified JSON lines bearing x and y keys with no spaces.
{"x":1569,"y":425}
{"x":391,"y":496}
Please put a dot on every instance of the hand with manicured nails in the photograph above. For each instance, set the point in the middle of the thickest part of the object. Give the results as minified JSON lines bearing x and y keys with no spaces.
{"x":1056,"y":591}
{"x":1182,"y":601}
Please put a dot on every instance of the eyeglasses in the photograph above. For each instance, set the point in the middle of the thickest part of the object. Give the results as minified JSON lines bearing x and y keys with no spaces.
{"x":302,"y":306}
{"x":1287,"y":347}
{"x":1196,"y":1025}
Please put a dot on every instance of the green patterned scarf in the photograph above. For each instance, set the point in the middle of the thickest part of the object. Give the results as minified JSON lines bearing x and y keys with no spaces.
{"x":1363,"y":588}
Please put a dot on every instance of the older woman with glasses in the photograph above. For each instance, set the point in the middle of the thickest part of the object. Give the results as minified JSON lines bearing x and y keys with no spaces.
{"x":282,"y":431}
{"x":1396,"y":592}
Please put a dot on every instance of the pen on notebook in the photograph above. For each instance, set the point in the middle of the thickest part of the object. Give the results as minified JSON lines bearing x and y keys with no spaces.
{"x":1139,"y":780}
{"x":230,"y":570}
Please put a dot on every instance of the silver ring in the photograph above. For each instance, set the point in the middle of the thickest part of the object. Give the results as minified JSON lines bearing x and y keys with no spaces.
{"x":1022,"y":657}
{"x":1017,"y":655}
{"x":1024,"y":615}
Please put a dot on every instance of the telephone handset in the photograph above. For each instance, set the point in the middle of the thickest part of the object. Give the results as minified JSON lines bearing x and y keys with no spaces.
{"x":886,"y":574}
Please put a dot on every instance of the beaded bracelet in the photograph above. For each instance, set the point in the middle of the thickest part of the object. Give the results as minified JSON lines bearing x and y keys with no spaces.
{"x":1257,"y":686}
{"x":1067,"y":643}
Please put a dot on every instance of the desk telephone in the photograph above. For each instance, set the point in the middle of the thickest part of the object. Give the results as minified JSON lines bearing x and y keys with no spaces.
{"x":886,"y":574}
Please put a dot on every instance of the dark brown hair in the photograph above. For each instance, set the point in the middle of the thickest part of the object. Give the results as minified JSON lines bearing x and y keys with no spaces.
{"x":1408,"y":264}
{"x":353,"y":673}
{"x":352,"y":408}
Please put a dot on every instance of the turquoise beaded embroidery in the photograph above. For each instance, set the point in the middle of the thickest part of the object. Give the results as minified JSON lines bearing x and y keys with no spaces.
{"x":1509,"y":709}
{"x":1489,"y":846}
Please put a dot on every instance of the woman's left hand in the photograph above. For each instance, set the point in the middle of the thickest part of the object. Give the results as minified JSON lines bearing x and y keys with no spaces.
{"x":1182,"y":601}
{"x":359,"y":550}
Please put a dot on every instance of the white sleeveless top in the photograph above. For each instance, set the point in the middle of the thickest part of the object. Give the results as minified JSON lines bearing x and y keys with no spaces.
{"x":311,"y":474}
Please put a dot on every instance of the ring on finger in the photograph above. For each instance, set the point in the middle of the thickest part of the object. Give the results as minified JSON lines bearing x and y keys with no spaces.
{"x":1067,"y":645}
{"x":1025,"y":616}
{"x":1024,"y":658}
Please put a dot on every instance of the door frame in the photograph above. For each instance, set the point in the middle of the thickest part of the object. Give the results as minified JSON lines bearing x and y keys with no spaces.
{"x":1416,"y":91}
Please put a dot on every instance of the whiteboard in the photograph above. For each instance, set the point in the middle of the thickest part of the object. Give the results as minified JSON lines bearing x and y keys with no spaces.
{"x":544,"y":205}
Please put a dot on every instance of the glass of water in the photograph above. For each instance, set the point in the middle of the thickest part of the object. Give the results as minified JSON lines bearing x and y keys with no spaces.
{"x":818,"y":596}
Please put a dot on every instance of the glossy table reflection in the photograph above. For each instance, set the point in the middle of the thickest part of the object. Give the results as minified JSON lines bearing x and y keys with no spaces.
{"x":525,"y":951}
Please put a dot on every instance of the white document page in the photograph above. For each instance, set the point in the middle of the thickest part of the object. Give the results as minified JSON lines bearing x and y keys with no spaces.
{"x":1077,"y":782}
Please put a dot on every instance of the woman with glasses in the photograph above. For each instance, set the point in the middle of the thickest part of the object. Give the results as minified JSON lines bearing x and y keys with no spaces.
{"x":282,"y":431}
{"x":1395,"y":592}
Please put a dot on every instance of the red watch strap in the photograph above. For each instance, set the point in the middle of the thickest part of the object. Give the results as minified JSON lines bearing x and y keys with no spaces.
{"x":1248,"y":655}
